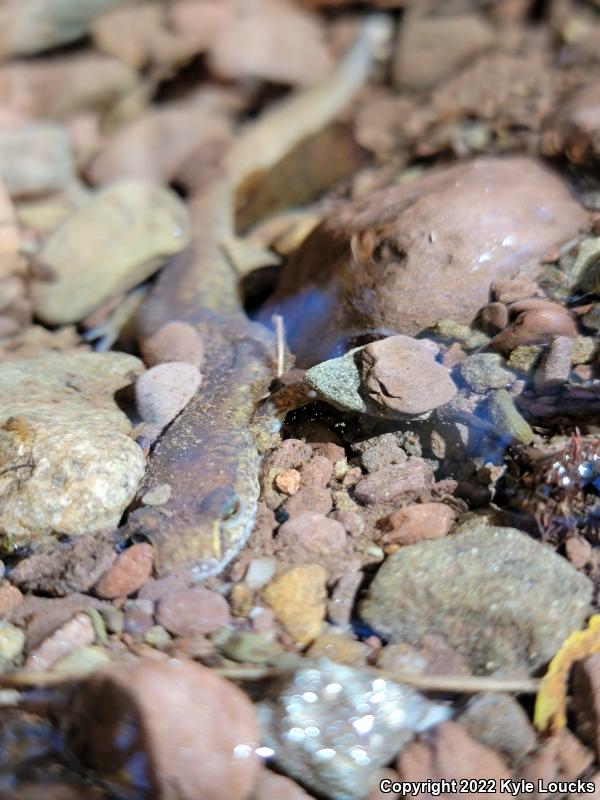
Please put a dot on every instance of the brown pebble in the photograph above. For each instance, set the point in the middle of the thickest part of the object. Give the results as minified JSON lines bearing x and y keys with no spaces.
{"x":330,"y":450}
{"x":10,"y":597}
{"x":351,"y":520}
{"x":416,"y":523}
{"x":317,"y":472}
{"x":194,"y":732}
{"x":454,"y":355}
{"x":311,"y":537}
{"x":193,"y":611}
{"x":309,"y":498}
{"x":534,"y":326}
{"x":175,"y":341}
{"x":390,"y":483}
{"x":130,"y":571}
{"x":288,"y":481}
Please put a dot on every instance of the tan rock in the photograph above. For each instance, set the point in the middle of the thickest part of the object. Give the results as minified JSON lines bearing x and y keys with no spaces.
{"x":69,"y":465}
{"x":131,"y":570}
{"x":176,"y":709}
{"x":417,"y":522}
{"x":10,"y":597}
{"x":298,"y":599}
{"x":115,"y":241}
{"x":35,"y":158}
{"x":288,"y":481}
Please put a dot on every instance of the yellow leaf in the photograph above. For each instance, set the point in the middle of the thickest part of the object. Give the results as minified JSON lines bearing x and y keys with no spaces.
{"x":550,"y":713}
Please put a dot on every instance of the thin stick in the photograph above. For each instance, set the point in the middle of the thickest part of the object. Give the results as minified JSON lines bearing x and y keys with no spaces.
{"x":455,"y":684}
{"x":280,"y":334}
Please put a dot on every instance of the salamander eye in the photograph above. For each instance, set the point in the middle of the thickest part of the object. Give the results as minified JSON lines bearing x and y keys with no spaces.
{"x":222,"y":503}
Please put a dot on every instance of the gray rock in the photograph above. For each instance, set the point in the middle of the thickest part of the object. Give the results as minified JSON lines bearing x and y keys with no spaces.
{"x":35,"y":159}
{"x":500,"y":722}
{"x":333,"y":726}
{"x":337,"y":381}
{"x":555,"y":368}
{"x":379,"y":451}
{"x":504,"y":601}
{"x":484,"y":371}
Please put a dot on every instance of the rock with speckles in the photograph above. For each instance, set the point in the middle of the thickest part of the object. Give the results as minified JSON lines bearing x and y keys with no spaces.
{"x":501,"y":599}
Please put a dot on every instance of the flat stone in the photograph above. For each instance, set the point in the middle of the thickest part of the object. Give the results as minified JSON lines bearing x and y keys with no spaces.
{"x":507,"y":419}
{"x":389,"y":483}
{"x":501,"y":599}
{"x":401,"y":373}
{"x":485,"y":371}
{"x":113,"y":242}
{"x":193,"y":611}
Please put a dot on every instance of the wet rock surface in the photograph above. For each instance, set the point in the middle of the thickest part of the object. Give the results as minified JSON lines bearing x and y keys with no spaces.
{"x":481,"y":590}
{"x":425,"y":220}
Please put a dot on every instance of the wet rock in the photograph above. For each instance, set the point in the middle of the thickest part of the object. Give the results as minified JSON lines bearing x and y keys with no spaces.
{"x":485,"y":371}
{"x":401,"y":373}
{"x":288,"y":481}
{"x":12,"y":640}
{"x":78,"y":632}
{"x":131,"y":570}
{"x":74,"y":567}
{"x":506,"y":418}
{"x":524,"y":357}
{"x":115,"y":241}
{"x":193,"y":611}
{"x":157,"y":496}
{"x":338,"y":381}
{"x":499,"y":722}
{"x":69,"y":464}
{"x":430,"y":48}
{"x":501,"y":599}
{"x":298,"y":598}
{"x":58,"y":87}
{"x":271,"y":786}
{"x":536,"y":325}
{"x":10,"y":597}
{"x":35,"y":159}
{"x":31,"y":26}
{"x":162,"y":392}
{"x":472,"y":224}
{"x":341,"y":647}
{"x":450,"y":753}
{"x":380,"y":451}
{"x":151,"y":701}
{"x":175,"y":341}
{"x":387,"y":484}
{"x":584,"y":349}
{"x":555,"y":368}
{"x":416,"y":523}
{"x":326,"y":698}
{"x":309,"y":498}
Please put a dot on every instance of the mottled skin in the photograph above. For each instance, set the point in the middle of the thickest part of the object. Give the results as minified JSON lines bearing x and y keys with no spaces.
{"x":209,"y":455}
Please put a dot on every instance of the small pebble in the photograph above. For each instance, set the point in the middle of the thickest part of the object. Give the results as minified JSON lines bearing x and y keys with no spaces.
{"x":157,"y":496}
{"x":579,"y":551}
{"x":507,"y":419}
{"x":288,"y":481}
{"x":157,"y":636}
{"x":175,"y":341}
{"x":417,"y":522}
{"x":10,"y":597}
{"x":317,"y":472}
{"x":85,"y":659}
{"x":343,"y":597}
{"x":259,"y":572}
{"x":388,"y":484}
{"x":193,"y":611}
{"x":298,"y":598}
{"x":555,"y":368}
{"x":139,"y":616}
{"x":130,"y":571}
{"x":309,"y":498}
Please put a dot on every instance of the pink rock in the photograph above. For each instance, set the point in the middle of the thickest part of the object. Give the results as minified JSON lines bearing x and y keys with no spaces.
{"x":192,"y":733}
{"x":78,"y":632}
{"x":131,"y":570}
{"x":193,"y":611}
{"x":417,"y":522}
{"x":10,"y":597}
{"x":402,"y":374}
{"x":175,"y":341}
{"x":309,"y":498}
{"x":389,"y":483}
{"x":317,"y":472}
{"x":311,"y":532}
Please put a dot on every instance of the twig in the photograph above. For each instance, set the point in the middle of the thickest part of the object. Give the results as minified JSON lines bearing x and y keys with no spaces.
{"x":280,"y":334}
